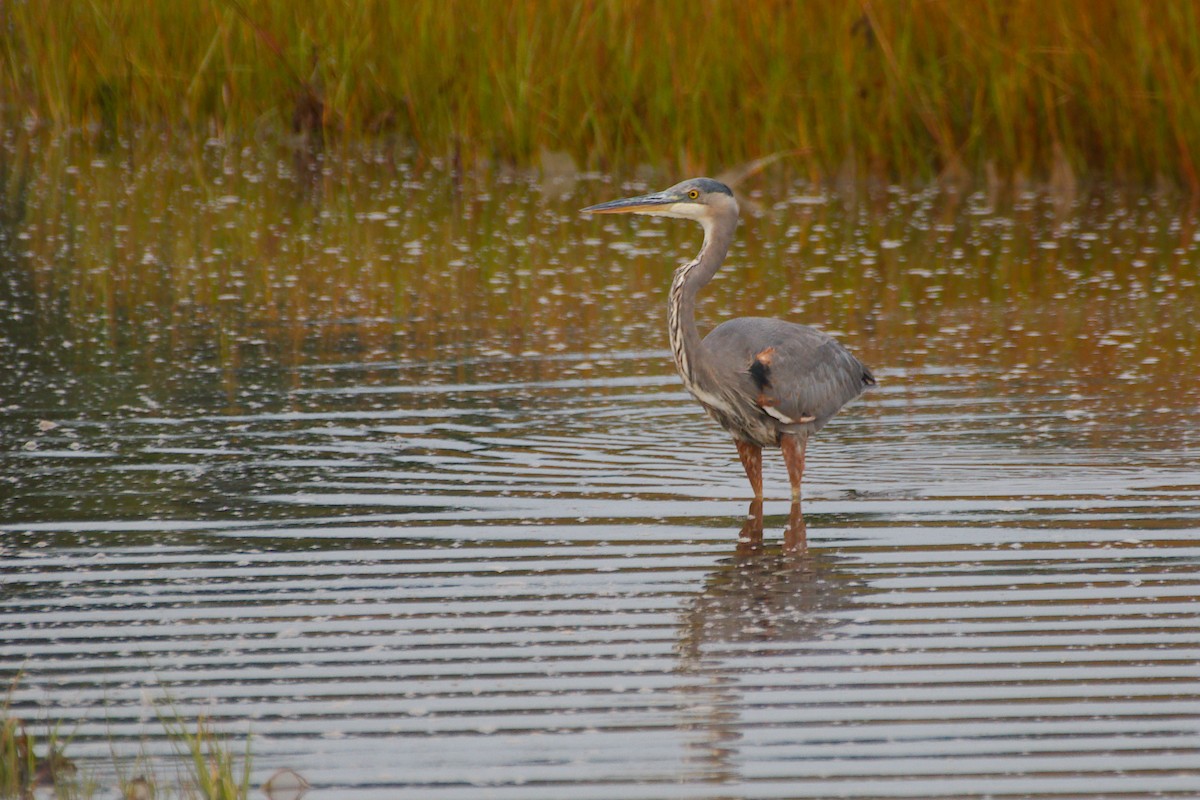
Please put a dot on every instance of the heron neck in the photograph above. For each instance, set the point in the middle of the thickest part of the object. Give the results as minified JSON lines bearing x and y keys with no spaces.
{"x":690,"y":358}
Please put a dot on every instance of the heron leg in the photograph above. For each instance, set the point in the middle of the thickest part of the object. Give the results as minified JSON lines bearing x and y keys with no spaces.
{"x":751,"y":455}
{"x":793,"y":448}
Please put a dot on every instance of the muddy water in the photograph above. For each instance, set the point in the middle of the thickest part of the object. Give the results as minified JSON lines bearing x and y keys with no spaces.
{"x":450,"y":529}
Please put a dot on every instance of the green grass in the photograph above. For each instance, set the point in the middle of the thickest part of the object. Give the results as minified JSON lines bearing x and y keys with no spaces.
{"x":17,"y":760}
{"x":213,"y":771}
{"x":29,"y":761}
{"x":209,"y":769}
{"x":1019,"y":89}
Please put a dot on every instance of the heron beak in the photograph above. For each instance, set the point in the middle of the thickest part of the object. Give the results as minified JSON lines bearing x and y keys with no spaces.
{"x":642,"y":204}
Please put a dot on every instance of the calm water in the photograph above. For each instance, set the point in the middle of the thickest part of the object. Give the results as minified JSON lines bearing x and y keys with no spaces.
{"x":394,"y":476}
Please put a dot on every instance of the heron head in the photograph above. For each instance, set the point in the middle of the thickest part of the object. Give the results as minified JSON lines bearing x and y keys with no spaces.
{"x":700,"y":199}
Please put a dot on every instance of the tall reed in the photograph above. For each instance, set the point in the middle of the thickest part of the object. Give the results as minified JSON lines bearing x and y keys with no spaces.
{"x":32,"y":765}
{"x":898,"y":89}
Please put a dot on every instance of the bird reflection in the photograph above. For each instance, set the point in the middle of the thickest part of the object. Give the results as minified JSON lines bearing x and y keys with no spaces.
{"x":765,"y":593}
{"x":763,"y":601}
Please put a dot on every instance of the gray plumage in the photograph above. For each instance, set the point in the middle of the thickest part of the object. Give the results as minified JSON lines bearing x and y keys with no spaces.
{"x":811,"y":374}
{"x":768,"y":382}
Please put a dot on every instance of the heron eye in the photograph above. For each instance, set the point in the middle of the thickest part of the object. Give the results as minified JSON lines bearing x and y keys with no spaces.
{"x":693,"y":194}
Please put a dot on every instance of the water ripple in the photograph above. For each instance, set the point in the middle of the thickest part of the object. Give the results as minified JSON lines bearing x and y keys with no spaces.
{"x":543,"y":600}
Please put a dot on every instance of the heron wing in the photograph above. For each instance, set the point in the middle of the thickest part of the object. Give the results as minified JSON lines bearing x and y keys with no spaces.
{"x":795,"y":373}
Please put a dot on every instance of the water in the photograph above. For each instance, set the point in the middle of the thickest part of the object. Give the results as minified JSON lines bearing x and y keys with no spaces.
{"x":445,"y":526}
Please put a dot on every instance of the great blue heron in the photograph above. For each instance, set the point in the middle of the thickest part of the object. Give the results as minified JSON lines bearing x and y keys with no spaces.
{"x":768,"y":382}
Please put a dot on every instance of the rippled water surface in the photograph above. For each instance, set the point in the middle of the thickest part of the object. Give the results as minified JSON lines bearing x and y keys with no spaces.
{"x":395,"y":477}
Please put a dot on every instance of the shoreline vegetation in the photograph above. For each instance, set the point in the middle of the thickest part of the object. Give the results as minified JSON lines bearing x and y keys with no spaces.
{"x":205,"y":766}
{"x":895,"y":90}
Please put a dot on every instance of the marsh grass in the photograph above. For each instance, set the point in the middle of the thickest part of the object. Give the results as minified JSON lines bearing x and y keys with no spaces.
{"x":894,"y":88}
{"x":213,"y":769}
{"x":17,"y":760}
{"x":209,"y":767}
{"x":29,"y":761}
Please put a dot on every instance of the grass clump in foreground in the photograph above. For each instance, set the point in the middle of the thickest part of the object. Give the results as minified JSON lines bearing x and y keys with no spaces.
{"x":209,"y":769}
{"x":22,"y":770}
{"x":212,"y":768}
{"x":900,"y":89}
